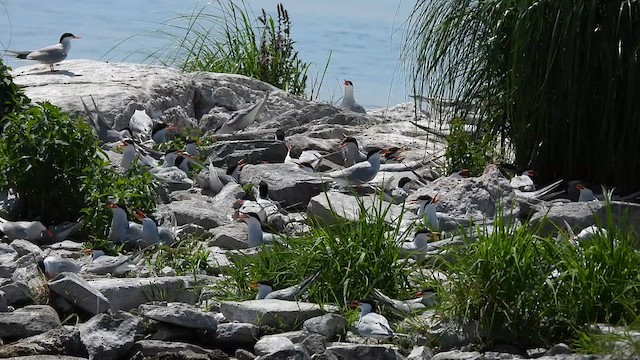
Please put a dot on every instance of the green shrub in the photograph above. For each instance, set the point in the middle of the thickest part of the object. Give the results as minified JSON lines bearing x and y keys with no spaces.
{"x":466,"y":150}
{"x":45,"y":155}
{"x":12,"y":98}
{"x":539,"y":291}
{"x":136,"y":190}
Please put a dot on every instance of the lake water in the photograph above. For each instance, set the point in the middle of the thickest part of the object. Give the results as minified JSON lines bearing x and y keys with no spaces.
{"x":365,"y":36}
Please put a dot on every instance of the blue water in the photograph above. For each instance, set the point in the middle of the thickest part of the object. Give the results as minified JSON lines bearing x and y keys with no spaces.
{"x":365,"y":36}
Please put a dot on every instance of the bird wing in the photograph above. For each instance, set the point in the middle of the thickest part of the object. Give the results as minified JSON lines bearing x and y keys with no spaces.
{"x":293,"y":292}
{"x":374,"y":325}
{"x":46,"y":53}
{"x":214,"y":180}
{"x":359,"y":173}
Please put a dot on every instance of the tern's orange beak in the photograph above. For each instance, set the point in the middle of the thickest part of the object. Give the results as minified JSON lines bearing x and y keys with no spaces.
{"x":77,"y":37}
{"x":139,"y":214}
{"x":87,"y":251}
{"x":111,"y":205}
{"x":254,"y":285}
{"x":436,"y":199}
{"x":354,"y":304}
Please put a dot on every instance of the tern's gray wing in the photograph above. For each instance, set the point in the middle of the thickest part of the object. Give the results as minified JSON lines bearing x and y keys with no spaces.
{"x":359,"y":173}
{"x":293,"y":292}
{"x":358,"y":108}
{"x":50,"y":54}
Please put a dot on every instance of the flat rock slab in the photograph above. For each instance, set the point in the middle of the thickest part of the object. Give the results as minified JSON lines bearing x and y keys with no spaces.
{"x":226,"y":153}
{"x":27,"y":321}
{"x":62,"y":340}
{"x":109,"y":336}
{"x":180,"y":314}
{"x":288,"y":185}
{"x":370,"y":352}
{"x":201,"y":211}
{"x":237,"y":333}
{"x":347,"y":207}
{"x":274,"y":313}
{"x":129,"y":293}
{"x":580,"y":215}
{"x":79,"y":292}
{"x":153,"y":348}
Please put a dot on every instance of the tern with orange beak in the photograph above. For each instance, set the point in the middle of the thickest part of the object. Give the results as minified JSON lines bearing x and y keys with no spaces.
{"x":349,"y":101}
{"x":523,"y":182}
{"x":242,"y":119}
{"x":49,"y":55}
{"x":292,"y":293}
{"x":424,"y":299}
{"x":360,"y":173}
{"x":370,"y":324}
{"x":427,"y":209}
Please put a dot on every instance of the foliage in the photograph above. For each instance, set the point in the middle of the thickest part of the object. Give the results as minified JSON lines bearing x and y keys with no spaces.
{"x":555,"y":79}
{"x":538,"y":290}
{"x":465,"y":151}
{"x":12,"y":98}
{"x":45,"y":154}
{"x":352,"y":257}
{"x":233,"y":42}
{"x":188,"y":257}
{"x":135,"y":189}
{"x":53,"y":163}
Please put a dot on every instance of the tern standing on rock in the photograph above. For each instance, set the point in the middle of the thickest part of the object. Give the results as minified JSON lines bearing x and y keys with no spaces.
{"x":242,"y":119}
{"x":360,"y":173}
{"x":348,"y":101}
{"x":48,"y":55}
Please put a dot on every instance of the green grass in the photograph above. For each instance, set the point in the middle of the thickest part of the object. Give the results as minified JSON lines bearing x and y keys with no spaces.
{"x":536,"y":291}
{"x":226,"y":37}
{"x":353,"y":258}
{"x":555,"y":79}
{"x":187,"y":257}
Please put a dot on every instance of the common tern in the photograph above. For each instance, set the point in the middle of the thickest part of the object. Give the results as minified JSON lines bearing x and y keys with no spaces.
{"x":122,"y":230}
{"x":215,"y":184}
{"x":159,"y":132}
{"x":60,"y":232}
{"x":427,"y":209}
{"x":48,"y":55}
{"x":254,"y":226}
{"x":292,"y":293}
{"x":523,"y":182}
{"x":105,"y":132}
{"x":26,"y":230}
{"x":424,"y":299}
{"x":351,"y":153}
{"x":585,"y":194}
{"x":400,"y":192}
{"x":191,"y":147}
{"x":141,"y":124}
{"x":129,"y":153}
{"x":270,"y":207}
{"x":348,"y":100}
{"x":103,"y":264}
{"x":170,"y":173}
{"x":242,"y":119}
{"x":360,"y":173}
{"x":308,"y":160}
{"x":421,"y":240}
{"x":53,"y":265}
{"x":370,"y":324}
{"x":462,"y":174}
{"x":152,"y":233}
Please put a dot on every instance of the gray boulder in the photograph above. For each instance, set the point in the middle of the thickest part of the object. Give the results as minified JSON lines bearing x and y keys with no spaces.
{"x":24,"y":247}
{"x":297,"y":352}
{"x":200,"y":211}
{"x":274,"y":313}
{"x":231,"y":236}
{"x":225,"y":153}
{"x":27,"y":321}
{"x":348,"y":207}
{"x":475,"y":198}
{"x":60,"y":341}
{"x":109,"y":336}
{"x":173,"y":349}
{"x":271,"y":344}
{"x":78,"y":291}
{"x":29,"y":280}
{"x":129,"y":293}
{"x":180,"y":314}
{"x":288,"y":185}
{"x":328,"y":325}
{"x":359,"y":351}
{"x":8,"y":257}
{"x":458,"y":355}
{"x":580,"y":215}
{"x":236,"y":333}
{"x":420,"y":353}
{"x":315,"y":344}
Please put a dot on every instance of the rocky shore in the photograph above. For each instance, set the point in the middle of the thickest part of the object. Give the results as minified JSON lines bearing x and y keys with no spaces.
{"x":140,"y":316}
